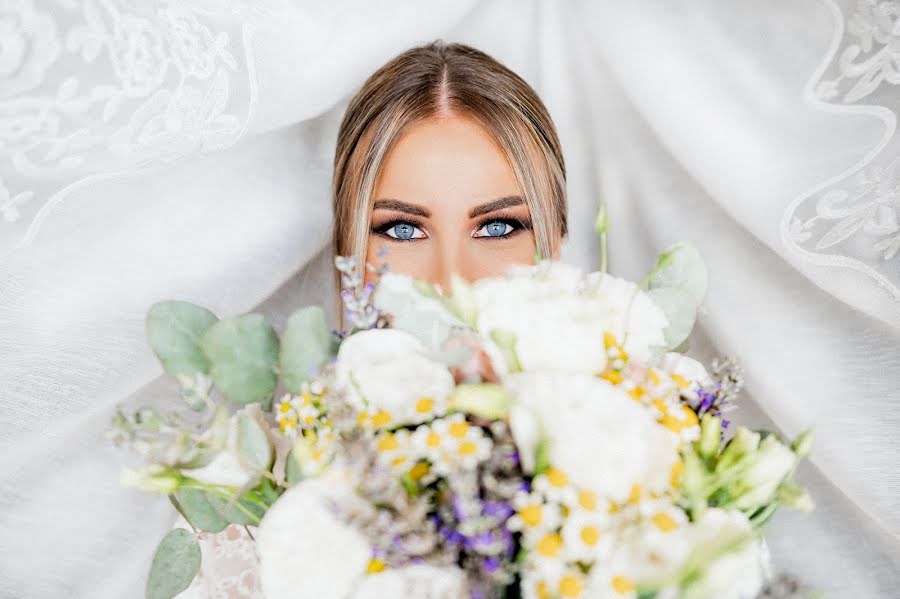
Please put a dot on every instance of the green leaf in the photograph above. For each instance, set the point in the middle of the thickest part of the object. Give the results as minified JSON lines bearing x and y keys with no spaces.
{"x":293,"y":473}
{"x":174,"y":566}
{"x":307,"y":343}
{"x":237,"y":512}
{"x":243,"y":351}
{"x":194,"y":505}
{"x":681,"y":311}
{"x":253,"y":444}
{"x":173,"y":330}
{"x":680,"y":266}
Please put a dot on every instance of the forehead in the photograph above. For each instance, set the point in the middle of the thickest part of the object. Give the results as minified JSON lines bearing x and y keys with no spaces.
{"x":450,"y":157}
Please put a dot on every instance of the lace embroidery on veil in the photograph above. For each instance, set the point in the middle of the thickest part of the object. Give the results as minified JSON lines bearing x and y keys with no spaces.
{"x":853,"y":219}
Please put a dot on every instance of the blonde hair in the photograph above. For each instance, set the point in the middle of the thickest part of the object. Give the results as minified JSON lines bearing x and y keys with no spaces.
{"x":439,"y":79}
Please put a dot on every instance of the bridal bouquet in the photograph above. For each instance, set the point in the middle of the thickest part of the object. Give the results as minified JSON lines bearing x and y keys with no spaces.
{"x":538,"y":434}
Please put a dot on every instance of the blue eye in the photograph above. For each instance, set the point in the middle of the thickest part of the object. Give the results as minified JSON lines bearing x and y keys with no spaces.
{"x":401,"y":231}
{"x":496,"y":228}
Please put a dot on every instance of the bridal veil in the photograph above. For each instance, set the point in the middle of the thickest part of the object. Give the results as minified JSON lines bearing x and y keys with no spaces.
{"x":182,"y":149}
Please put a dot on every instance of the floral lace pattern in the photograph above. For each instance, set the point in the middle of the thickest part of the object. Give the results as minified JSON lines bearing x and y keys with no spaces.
{"x":229,"y":567}
{"x":105,"y":86}
{"x":854,"y":220}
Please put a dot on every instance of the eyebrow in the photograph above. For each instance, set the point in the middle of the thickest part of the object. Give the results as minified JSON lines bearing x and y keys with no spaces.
{"x":416,"y":210}
{"x":399,"y":206}
{"x":498,"y":204}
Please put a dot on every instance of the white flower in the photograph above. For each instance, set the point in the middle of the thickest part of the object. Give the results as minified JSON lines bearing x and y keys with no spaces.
{"x":604,"y":440}
{"x":554,"y":327}
{"x":587,"y":535}
{"x":423,"y":580}
{"x":230,"y":468}
{"x":686,"y":367}
{"x":304,"y":549}
{"x":534,"y":516}
{"x":388,"y":375}
{"x":629,"y":313}
{"x":737,"y":574}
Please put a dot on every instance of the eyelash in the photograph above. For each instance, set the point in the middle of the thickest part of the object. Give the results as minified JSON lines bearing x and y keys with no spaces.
{"x":518,"y":224}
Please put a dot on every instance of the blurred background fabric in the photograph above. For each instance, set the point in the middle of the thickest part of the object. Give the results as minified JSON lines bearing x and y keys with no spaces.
{"x":182,"y":149}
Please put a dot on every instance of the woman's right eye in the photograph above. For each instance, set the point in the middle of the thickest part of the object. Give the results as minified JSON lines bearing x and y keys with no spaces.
{"x":402,"y":231}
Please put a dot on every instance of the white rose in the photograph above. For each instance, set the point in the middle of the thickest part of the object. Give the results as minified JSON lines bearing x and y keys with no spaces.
{"x":735,"y":575}
{"x":629,"y":313}
{"x":387,"y":370}
{"x":555,"y":328}
{"x":413,"y":582}
{"x":229,"y":468}
{"x":598,"y":435}
{"x":304,"y":549}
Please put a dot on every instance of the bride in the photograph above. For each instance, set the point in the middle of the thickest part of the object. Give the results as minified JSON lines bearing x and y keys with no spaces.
{"x":446,"y":161}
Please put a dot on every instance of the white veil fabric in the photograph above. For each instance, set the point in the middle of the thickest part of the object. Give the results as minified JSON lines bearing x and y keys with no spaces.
{"x":182,"y":149}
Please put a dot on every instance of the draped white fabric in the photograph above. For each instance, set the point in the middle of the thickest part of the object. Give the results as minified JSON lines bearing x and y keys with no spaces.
{"x":182,"y":149}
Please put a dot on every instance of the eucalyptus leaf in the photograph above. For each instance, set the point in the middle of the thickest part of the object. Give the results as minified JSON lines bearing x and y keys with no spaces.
{"x":253,"y":444}
{"x":194,"y":505}
{"x":307,"y":343}
{"x":173,"y":330}
{"x":243,"y":351}
{"x":681,"y":266}
{"x":174,"y":566}
{"x":293,"y":472}
{"x":681,"y":310}
{"x":236,"y":511}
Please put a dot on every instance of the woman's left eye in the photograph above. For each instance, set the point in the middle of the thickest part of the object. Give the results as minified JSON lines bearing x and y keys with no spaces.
{"x":496,"y":228}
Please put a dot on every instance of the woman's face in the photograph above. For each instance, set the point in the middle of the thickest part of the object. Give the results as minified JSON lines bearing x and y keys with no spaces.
{"x":447,"y":201}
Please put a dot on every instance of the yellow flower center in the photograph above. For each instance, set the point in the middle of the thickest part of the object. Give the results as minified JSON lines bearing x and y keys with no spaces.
{"x":635,"y":495}
{"x":590,"y":535}
{"x":677,"y":470}
{"x":424,"y":405}
{"x":612,"y":376}
{"x":388,"y":443}
{"x":418,"y":471}
{"x":587,"y":500}
{"x":570,"y":586}
{"x":550,"y":545}
{"x":682,"y":382}
{"x":622,"y":585}
{"x":459,"y":429}
{"x":664,"y":522}
{"x":531,"y":515}
{"x":375,"y":566}
{"x":467,"y":448}
{"x":542,"y":591}
{"x":382,"y":418}
{"x":557,"y":478}
{"x":433,"y":439}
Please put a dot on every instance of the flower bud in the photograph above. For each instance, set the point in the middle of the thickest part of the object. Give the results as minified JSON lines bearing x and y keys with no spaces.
{"x":744,"y":442}
{"x":710,"y":435}
{"x":795,"y":497}
{"x":600,"y":223}
{"x":152,"y":478}
{"x":802,"y":445}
